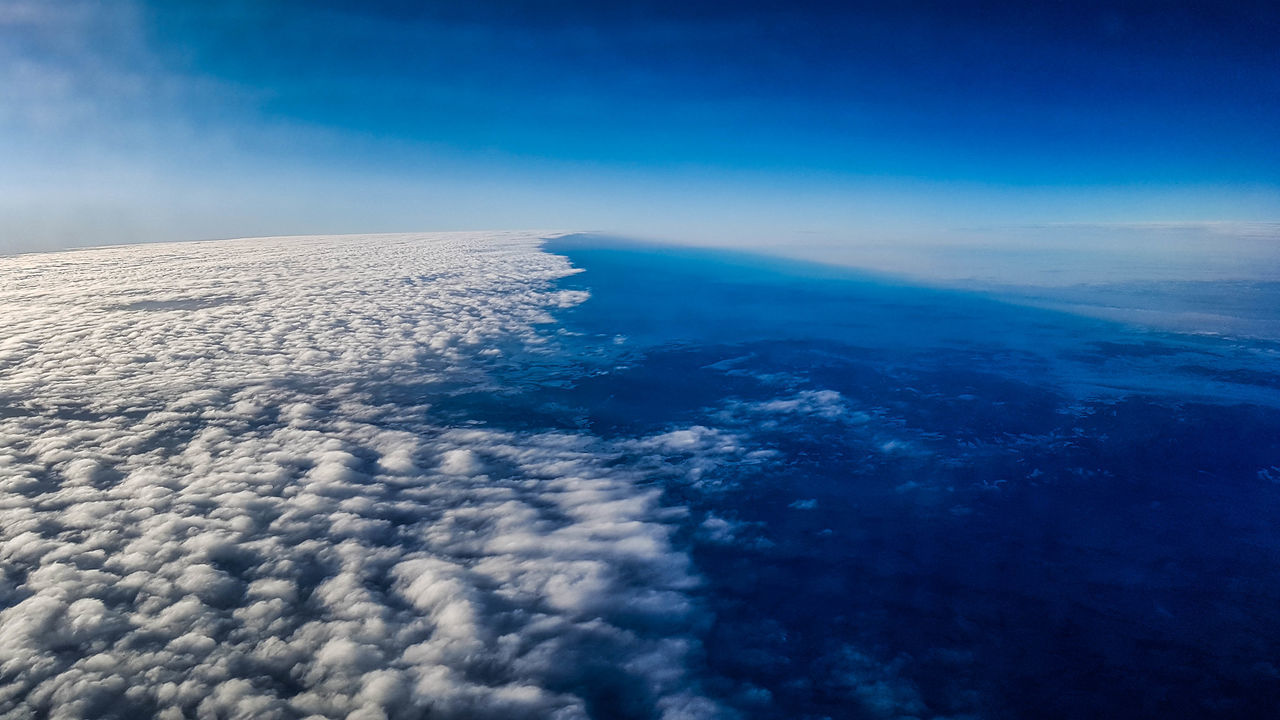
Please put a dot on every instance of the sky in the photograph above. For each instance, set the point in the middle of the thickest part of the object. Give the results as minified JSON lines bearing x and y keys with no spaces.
{"x":783,"y":124}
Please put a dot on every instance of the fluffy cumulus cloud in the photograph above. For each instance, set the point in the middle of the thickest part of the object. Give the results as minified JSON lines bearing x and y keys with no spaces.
{"x":224,"y":494}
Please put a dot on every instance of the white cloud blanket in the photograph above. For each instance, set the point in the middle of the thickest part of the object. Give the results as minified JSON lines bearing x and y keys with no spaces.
{"x":213,"y":505}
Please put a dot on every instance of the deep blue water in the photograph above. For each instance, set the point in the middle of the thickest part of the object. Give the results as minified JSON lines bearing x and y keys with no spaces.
{"x":1004,"y":512}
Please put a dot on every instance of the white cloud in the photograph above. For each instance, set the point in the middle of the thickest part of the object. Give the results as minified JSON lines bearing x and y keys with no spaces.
{"x":209,"y":509}
{"x":827,"y":404}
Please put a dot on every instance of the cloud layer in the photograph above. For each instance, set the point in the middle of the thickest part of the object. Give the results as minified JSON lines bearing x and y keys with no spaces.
{"x":223,"y":494}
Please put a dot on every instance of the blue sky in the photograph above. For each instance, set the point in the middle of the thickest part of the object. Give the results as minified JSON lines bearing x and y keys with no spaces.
{"x":744,"y":121}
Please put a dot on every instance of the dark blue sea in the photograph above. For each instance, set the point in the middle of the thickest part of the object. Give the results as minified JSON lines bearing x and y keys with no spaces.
{"x":933,"y":503}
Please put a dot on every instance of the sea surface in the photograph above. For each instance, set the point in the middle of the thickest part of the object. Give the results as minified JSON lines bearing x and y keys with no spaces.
{"x":935,"y":503}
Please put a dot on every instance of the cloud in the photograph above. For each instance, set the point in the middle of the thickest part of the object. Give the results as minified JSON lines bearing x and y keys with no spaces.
{"x":827,"y":404}
{"x":79,"y":68}
{"x":211,"y":509}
